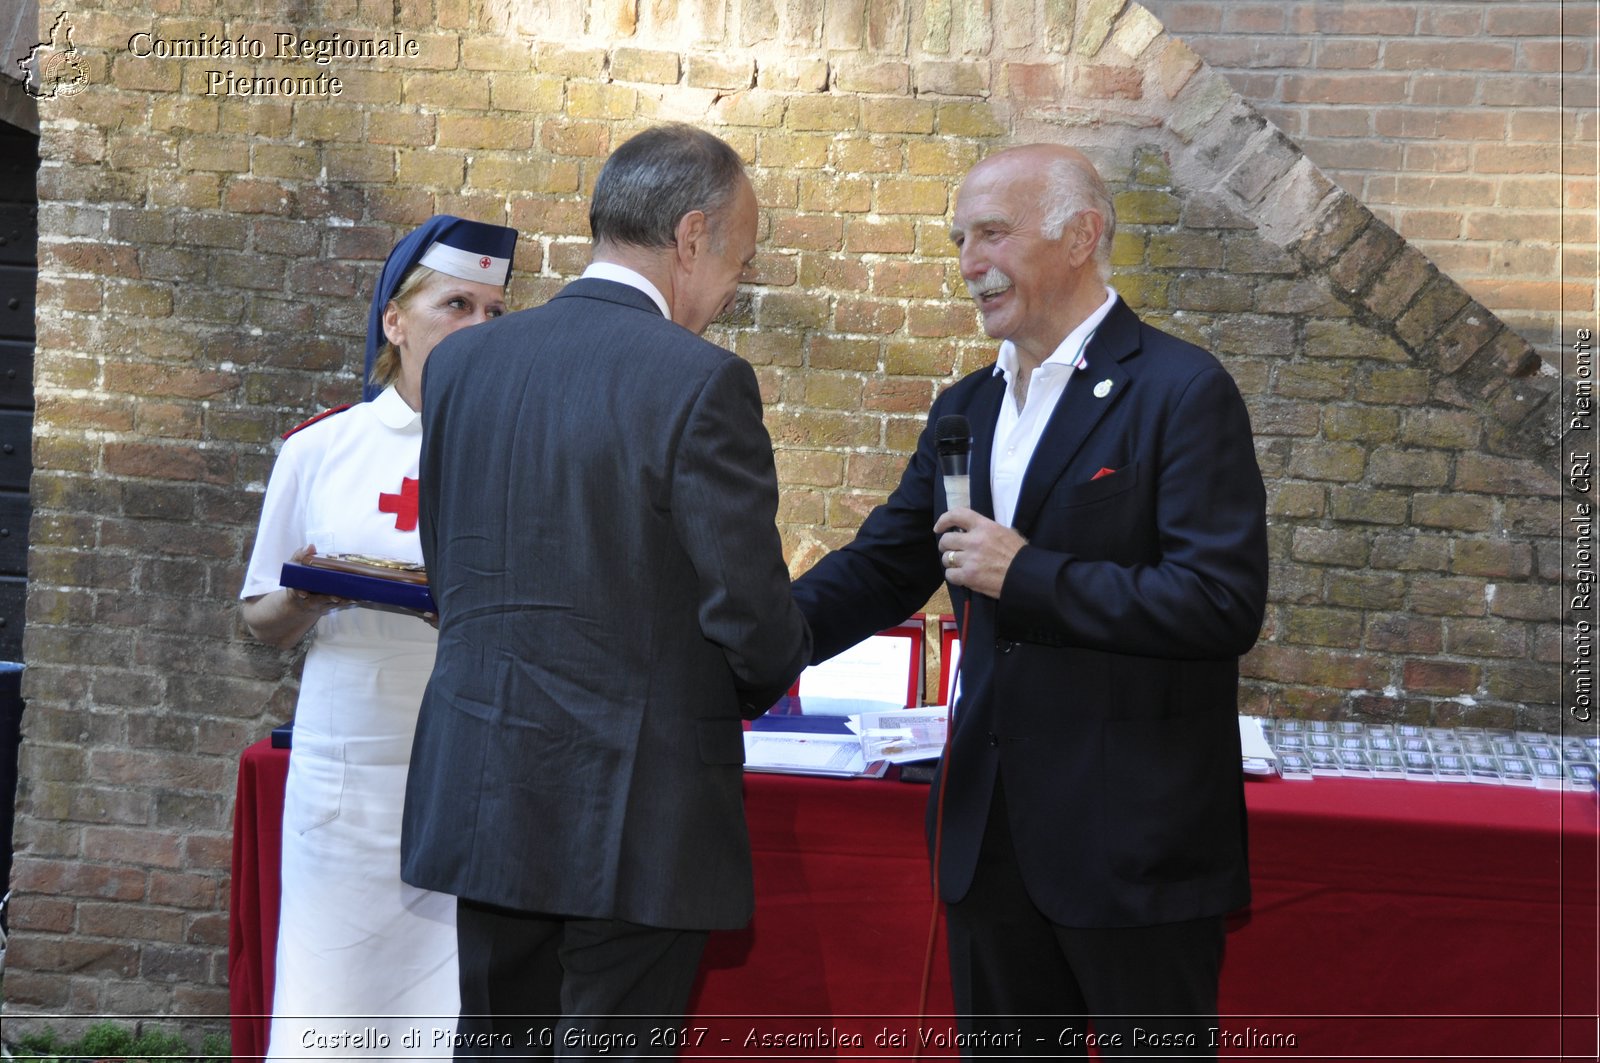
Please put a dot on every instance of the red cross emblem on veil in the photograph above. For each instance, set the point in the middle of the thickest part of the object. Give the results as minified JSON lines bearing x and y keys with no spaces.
{"x":402,"y":505}
{"x":483,"y":263}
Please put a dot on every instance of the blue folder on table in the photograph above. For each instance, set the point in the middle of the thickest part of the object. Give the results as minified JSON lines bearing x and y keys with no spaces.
{"x":795,"y":714}
{"x":283,"y":736}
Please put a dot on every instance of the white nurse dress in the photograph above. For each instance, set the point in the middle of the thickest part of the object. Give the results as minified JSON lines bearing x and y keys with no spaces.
{"x":363,"y":959}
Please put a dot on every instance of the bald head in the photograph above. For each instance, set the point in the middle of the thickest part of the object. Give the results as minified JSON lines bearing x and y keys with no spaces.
{"x":1032,"y":226}
{"x":1067,"y":185}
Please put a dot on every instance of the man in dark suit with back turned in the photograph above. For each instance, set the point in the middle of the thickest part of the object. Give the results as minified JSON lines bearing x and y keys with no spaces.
{"x":597,"y":515}
{"x":1114,"y":562}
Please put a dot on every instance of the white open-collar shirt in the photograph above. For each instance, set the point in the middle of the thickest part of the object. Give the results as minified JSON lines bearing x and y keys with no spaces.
{"x":1017,"y":432}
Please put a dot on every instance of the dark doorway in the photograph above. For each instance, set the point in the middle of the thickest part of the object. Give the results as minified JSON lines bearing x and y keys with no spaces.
{"x":19,"y":274}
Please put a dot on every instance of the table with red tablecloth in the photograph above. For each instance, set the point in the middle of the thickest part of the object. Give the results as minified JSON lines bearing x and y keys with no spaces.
{"x":1424,"y":920}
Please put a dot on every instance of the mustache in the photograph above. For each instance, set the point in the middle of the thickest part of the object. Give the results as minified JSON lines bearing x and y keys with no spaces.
{"x":992,"y":281}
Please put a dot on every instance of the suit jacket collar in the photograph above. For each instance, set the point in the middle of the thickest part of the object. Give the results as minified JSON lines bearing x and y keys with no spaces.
{"x":1090,"y":395}
{"x":610,"y":292}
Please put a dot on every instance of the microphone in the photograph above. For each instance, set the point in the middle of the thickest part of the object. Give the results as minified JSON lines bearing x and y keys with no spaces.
{"x":953,"y":439}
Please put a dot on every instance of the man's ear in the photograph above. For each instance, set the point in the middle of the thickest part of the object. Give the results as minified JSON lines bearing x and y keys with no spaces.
{"x":1084,"y":232}
{"x":692,"y":235}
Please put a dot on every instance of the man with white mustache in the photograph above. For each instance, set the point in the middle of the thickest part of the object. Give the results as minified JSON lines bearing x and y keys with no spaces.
{"x":1110,"y":571}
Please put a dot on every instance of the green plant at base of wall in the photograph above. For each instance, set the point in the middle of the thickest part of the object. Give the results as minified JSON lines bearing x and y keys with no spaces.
{"x":107,"y":1040}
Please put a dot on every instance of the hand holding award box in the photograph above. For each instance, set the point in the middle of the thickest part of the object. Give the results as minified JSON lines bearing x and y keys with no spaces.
{"x":375,"y":582}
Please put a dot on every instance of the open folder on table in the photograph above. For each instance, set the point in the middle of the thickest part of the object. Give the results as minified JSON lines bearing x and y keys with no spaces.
{"x":809,"y":732}
{"x":812,"y":736}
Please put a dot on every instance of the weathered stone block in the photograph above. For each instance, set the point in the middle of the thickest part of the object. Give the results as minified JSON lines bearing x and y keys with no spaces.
{"x":645,"y":65}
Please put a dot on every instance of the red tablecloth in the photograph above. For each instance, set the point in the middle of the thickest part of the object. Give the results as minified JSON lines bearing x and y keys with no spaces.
{"x":253,"y":894}
{"x":1390,"y":919}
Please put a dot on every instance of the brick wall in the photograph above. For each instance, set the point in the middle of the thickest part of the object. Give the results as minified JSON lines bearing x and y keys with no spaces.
{"x":204,"y":260}
{"x":1462,"y":123}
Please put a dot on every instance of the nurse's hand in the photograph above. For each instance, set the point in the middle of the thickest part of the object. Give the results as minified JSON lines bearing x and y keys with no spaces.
{"x":282,"y":617}
{"x":310,"y":600}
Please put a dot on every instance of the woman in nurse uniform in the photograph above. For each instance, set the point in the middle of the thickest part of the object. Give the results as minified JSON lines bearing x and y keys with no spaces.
{"x":362,"y":957}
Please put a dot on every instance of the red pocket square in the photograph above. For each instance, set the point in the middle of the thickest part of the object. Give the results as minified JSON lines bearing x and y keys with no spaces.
{"x":1103,"y":472}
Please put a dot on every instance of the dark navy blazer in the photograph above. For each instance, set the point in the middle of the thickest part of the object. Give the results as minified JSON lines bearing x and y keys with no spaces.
{"x":1102,"y":686}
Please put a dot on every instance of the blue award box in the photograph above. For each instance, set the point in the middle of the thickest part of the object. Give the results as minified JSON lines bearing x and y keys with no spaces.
{"x":361,"y":583}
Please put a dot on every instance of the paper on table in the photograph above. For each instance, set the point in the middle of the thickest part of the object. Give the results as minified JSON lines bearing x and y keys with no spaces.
{"x":903,"y":735}
{"x":1259,"y":759}
{"x":809,"y":705}
{"x":811,"y":754}
{"x":874,"y":669}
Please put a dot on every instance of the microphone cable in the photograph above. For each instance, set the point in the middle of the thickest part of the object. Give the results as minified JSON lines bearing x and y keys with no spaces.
{"x":938,"y":828}
{"x":953,"y":444}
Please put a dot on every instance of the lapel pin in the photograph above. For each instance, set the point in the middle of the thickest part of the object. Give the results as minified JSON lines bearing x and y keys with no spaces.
{"x":1102,"y":389}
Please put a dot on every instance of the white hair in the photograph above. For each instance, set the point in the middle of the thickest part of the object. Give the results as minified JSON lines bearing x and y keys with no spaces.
{"x":1071,"y":187}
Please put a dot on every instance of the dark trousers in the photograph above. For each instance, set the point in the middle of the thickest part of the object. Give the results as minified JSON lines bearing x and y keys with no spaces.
{"x":544,"y":986}
{"x":1026,"y":986}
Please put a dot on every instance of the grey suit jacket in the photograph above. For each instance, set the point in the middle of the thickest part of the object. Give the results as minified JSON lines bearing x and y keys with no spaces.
{"x":597,"y":515}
